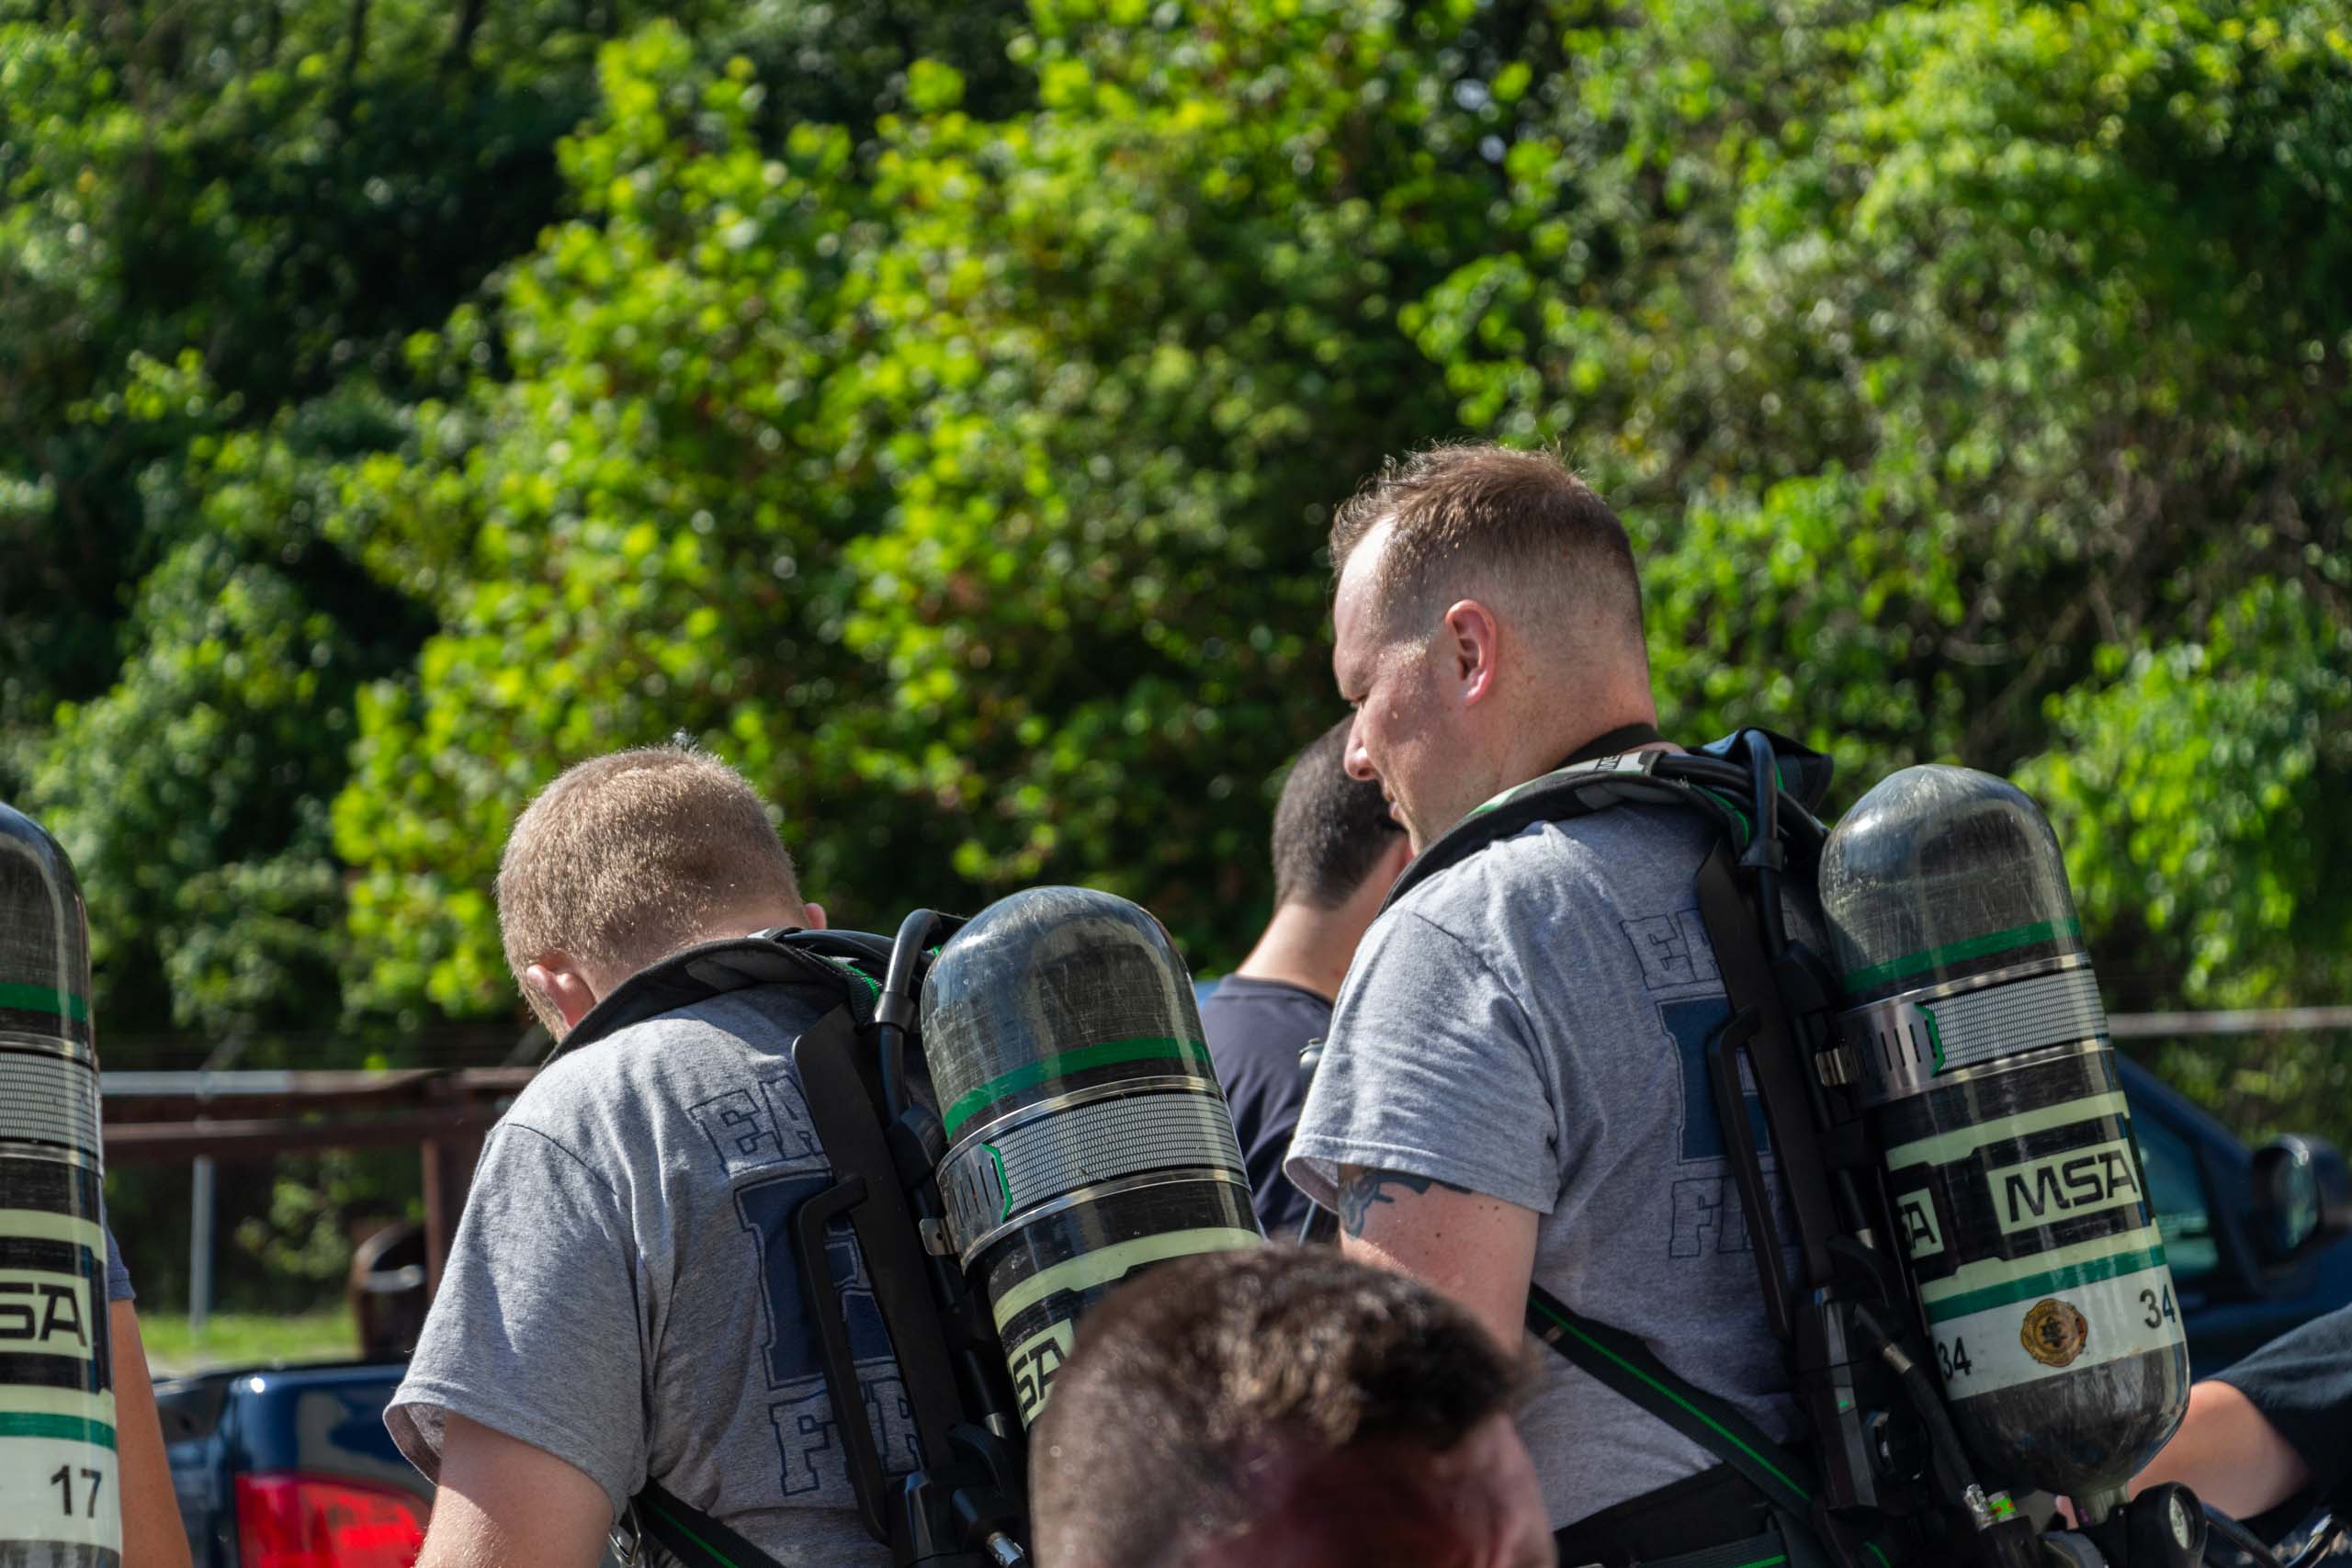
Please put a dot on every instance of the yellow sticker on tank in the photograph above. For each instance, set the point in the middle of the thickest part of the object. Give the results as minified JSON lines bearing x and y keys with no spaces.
{"x":2054,"y":1333}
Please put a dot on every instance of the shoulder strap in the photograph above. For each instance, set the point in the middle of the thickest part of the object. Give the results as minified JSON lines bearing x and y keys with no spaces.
{"x":1622,"y":1364}
{"x":838,"y":966}
{"x":1713,"y":779}
{"x":691,"y":1536}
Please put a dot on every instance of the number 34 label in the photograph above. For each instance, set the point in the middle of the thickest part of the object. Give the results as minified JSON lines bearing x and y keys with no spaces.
{"x":2022,"y":1342}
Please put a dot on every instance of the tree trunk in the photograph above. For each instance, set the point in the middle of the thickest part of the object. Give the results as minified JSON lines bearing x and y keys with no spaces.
{"x":462,"y":38}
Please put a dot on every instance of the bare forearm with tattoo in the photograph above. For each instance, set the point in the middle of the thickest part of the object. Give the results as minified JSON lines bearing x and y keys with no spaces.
{"x":1360,"y":1188}
{"x":1477,"y":1248}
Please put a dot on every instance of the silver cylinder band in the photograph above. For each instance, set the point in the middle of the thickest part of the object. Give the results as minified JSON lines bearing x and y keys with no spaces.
{"x":1906,"y":1045}
{"x":1052,"y":1150}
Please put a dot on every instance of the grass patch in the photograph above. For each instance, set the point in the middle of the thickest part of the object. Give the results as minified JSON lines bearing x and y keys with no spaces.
{"x":247,"y":1339}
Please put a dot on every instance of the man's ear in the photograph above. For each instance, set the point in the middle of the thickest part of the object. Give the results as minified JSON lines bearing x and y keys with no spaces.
{"x":566,"y":989}
{"x":1471,"y":640}
{"x":1392,"y":861}
{"x":814,"y":919}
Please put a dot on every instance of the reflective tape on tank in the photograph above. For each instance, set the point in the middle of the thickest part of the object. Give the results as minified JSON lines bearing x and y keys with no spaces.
{"x":1999,"y":1281}
{"x":1903,"y":1044}
{"x":1107,"y":1263}
{"x":48,"y":1098}
{"x":992,"y":1182}
{"x":2058,"y":1334}
{"x":37,"y":1224}
{"x":1959,"y":1143}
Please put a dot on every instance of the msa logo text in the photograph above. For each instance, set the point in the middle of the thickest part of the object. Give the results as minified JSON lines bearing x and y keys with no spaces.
{"x":1922,"y":1237}
{"x":43,"y":1313}
{"x":2062,"y":1186}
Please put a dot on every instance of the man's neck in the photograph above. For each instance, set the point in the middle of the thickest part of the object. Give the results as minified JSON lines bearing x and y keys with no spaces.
{"x":1305,"y":947}
{"x":1535,"y":749}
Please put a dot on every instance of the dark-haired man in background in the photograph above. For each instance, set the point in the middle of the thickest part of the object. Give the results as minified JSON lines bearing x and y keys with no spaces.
{"x":1336,"y":850}
{"x":1281,"y":1407}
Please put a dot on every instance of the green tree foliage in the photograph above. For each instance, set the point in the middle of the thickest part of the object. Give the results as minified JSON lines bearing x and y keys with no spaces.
{"x":937,"y":411}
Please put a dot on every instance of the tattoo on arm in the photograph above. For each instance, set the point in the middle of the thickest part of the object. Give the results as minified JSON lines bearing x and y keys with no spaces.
{"x":1361,"y":1188}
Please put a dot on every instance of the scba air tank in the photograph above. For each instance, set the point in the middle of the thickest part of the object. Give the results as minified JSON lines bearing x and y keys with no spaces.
{"x":58,"y":1503}
{"x":1087,"y":1135}
{"x":1974,"y":1022}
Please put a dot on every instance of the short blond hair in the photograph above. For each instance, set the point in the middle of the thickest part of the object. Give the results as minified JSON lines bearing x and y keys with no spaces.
{"x":627,"y":858}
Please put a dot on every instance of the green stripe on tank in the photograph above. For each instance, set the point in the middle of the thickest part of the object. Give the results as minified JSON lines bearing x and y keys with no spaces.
{"x":1107,"y":1263}
{"x":2049,"y":1281}
{"x":73,"y":1428}
{"x":40,"y":998}
{"x":1142,"y":1048}
{"x":1004,"y":1183}
{"x":1984,"y":946}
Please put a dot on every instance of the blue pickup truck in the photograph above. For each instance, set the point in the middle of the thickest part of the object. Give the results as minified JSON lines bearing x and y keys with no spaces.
{"x":290,"y":1467}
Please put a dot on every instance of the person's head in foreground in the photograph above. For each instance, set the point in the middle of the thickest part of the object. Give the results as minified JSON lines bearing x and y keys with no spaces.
{"x":627,"y":859}
{"x":1486,"y":621}
{"x":1283,"y":1408}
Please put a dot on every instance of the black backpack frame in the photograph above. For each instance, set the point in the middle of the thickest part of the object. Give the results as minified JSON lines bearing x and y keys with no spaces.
{"x":966,"y":1504}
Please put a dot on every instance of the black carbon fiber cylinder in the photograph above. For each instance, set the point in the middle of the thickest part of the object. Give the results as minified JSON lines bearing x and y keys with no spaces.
{"x":1973,"y":1028}
{"x":1087,"y":1135}
{"x":58,"y":1501}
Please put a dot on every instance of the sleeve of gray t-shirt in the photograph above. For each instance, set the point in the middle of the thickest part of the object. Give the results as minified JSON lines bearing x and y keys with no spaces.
{"x":1431,"y":1069}
{"x":536,"y":1330}
{"x":117,"y":1275}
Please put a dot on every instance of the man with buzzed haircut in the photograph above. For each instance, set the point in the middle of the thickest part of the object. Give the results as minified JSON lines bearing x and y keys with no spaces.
{"x":1514,"y":1090}
{"x":622,"y":1303}
{"x":1337,"y":848}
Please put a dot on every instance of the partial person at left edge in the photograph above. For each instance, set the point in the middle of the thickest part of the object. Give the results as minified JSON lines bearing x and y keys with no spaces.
{"x":151,"y":1532}
{"x":622,"y":1308}
{"x":1337,"y":848}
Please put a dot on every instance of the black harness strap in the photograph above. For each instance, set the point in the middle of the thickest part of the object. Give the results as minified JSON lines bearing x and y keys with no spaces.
{"x":1779,"y":1068}
{"x":1622,"y":1364}
{"x":692,"y":1536}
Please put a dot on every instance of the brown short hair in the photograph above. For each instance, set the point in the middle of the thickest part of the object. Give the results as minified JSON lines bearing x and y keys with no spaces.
{"x":1186,"y":1383}
{"x":1329,"y":830}
{"x":626,"y":858}
{"x":1505,"y":522}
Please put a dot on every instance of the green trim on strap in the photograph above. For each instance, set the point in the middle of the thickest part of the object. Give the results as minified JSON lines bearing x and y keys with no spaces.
{"x":2047,"y":1282}
{"x":1711,"y":1423}
{"x":40,"y":998}
{"x":1766,"y":1561}
{"x":73,"y":1428}
{"x":1142,"y":1048}
{"x":685,"y":1529}
{"x":1984,"y":946}
{"x":1004,"y":1182}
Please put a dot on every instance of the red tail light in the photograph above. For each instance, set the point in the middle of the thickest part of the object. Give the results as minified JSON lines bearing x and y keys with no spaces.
{"x":318,"y":1521}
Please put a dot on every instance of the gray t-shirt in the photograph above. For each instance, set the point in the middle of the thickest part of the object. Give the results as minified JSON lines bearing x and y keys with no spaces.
{"x":1531,"y":1023}
{"x":624,"y":1288}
